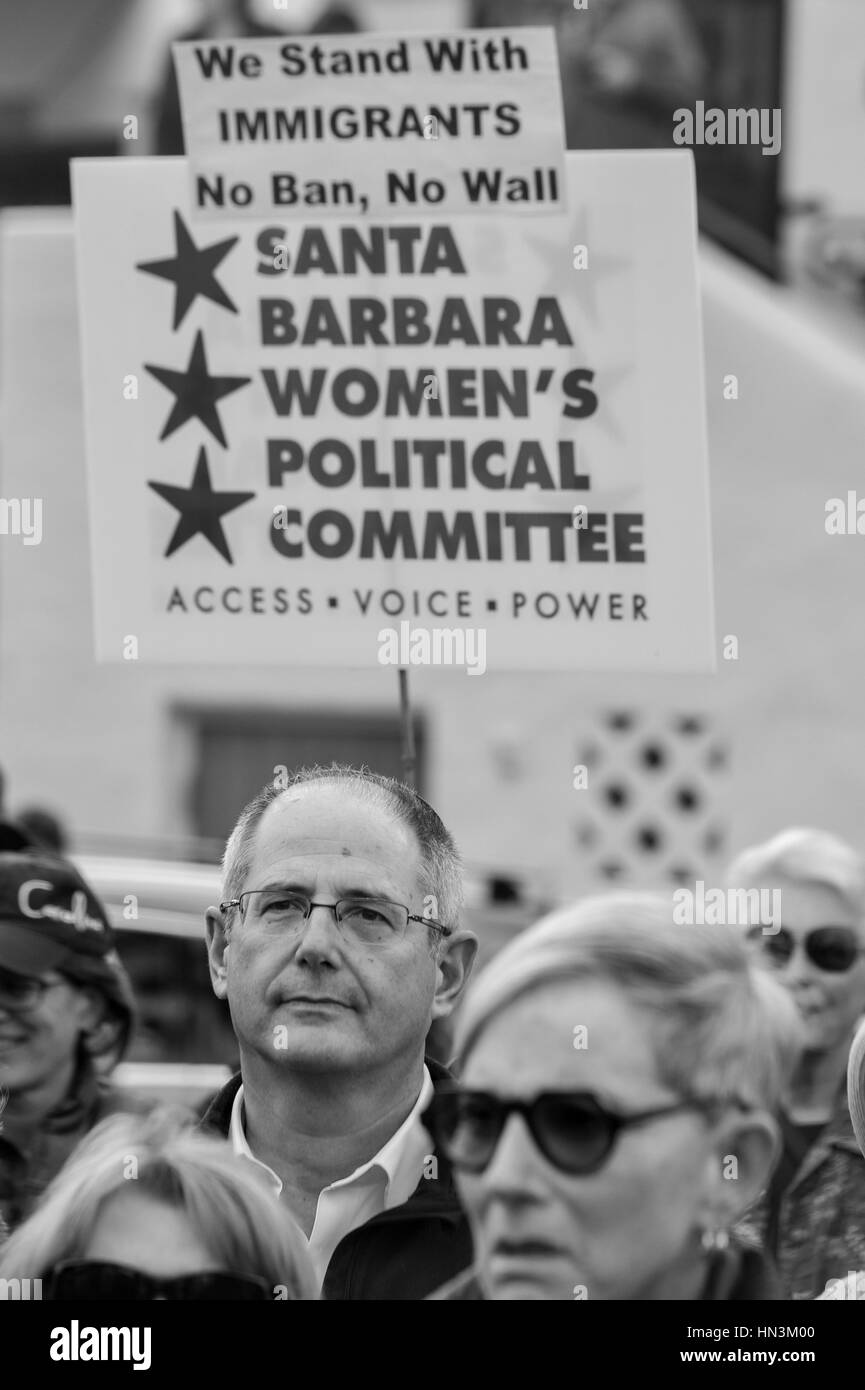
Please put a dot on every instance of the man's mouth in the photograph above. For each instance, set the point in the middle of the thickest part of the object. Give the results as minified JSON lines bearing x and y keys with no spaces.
{"x":316,"y":999}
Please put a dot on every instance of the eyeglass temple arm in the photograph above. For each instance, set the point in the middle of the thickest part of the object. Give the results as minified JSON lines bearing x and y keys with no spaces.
{"x":430,"y":922}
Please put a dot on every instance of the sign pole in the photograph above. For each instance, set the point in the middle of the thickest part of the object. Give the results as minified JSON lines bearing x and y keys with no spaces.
{"x":408,"y":750}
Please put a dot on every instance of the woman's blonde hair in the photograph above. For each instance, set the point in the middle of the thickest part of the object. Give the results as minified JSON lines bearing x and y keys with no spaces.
{"x":232,"y":1211}
{"x":803,"y":855}
{"x":723,"y":1030}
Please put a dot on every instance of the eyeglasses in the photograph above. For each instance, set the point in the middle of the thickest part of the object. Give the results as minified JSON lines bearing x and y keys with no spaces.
{"x":21,"y":993}
{"x":91,"y":1280}
{"x":372,"y":921}
{"x":834,"y":949}
{"x":572,"y":1129}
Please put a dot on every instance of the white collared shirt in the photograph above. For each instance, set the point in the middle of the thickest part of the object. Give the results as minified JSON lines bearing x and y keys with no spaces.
{"x":387,"y":1180}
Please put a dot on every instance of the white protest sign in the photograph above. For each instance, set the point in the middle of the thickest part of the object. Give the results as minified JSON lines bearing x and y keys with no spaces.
{"x":374,"y":124}
{"x":301,"y":435}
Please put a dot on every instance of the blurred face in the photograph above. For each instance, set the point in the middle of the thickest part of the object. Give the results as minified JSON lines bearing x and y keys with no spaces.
{"x":38,"y":1045}
{"x":310,"y":998}
{"x":135,"y":1229}
{"x":829,"y":1002}
{"x":539,"y":1232}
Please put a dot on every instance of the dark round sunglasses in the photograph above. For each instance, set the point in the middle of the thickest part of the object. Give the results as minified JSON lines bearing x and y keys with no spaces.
{"x":572,"y":1129}
{"x":91,"y":1280}
{"x":833,"y":949}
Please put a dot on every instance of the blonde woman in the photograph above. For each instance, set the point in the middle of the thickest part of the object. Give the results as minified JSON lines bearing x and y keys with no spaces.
{"x":615,"y":1110}
{"x":147,"y":1208}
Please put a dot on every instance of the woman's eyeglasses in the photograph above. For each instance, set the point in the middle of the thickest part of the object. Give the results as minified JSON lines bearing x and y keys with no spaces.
{"x":574,"y":1131}
{"x":21,"y":993}
{"x":92,"y":1280}
{"x":834,"y":949}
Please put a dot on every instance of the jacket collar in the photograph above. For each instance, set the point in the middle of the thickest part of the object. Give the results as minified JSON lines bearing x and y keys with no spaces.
{"x":217,"y":1116}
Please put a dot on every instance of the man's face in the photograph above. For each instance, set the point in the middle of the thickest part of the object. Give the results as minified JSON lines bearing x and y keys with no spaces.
{"x":40,"y":1044}
{"x":829,"y":1002}
{"x":311,"y":998}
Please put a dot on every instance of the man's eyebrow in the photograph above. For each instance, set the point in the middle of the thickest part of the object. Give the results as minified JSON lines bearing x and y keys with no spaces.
{"x":365,"y":893}
{"x":293,"y":886}
{"x":281,"y":883}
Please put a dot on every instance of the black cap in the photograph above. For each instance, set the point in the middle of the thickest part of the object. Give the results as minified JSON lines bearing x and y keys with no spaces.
{"x":50,"y":918}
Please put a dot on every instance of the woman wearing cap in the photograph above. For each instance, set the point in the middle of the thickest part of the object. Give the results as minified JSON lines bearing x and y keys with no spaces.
{"x":614,"y":1113}
{"x":66,"y":1014}
{"x":147,"y":1209}
{"x":812,"y":1216}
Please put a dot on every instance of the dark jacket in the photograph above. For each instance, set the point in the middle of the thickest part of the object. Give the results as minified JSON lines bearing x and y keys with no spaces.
{"x":821,"y":1223}
{"x":740,"y":1274}
{"x":403,"y":1253}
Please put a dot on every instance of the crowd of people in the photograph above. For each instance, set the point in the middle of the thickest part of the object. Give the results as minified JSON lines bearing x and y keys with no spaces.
{"x":636,"y":1108}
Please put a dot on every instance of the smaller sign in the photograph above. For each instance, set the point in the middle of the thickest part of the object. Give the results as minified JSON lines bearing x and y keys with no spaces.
{"x":374,"y":124}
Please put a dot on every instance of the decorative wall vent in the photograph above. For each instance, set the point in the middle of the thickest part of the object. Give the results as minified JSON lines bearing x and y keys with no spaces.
{"x":651,"y":810}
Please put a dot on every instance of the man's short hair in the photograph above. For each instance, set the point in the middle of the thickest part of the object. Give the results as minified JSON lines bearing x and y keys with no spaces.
{"x":441,"y":867}
{"x":723,"y":1029}
{"x":804,"y":856}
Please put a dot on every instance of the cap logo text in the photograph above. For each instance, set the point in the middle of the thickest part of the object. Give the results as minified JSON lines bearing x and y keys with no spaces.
{"x":76,"y":918}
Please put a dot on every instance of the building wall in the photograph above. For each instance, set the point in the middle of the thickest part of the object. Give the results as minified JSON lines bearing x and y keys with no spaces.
{"x":102,"y":745}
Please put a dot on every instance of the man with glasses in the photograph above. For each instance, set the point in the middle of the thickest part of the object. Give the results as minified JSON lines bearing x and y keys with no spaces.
{"x":66,"y":1013}
{"x":812,"y":1216}
{"x":337,"y":944}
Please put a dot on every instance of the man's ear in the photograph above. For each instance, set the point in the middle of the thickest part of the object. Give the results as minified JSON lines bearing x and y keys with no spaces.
{"x":218,"y":941}
{"x":453,"y":968}
{"x":746,"y":1147}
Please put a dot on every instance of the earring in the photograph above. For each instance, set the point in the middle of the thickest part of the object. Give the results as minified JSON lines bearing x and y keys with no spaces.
{"x":714,"y":1240}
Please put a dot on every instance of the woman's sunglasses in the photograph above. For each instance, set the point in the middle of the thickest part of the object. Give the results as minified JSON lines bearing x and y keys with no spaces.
{"x":572,"y":1129}
{"x":833,"y":949}
{"x":97,"y":1279}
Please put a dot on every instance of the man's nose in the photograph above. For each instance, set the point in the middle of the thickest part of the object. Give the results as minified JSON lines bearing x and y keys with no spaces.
{"x":320,"y":936}
{"x":514,"y":1171}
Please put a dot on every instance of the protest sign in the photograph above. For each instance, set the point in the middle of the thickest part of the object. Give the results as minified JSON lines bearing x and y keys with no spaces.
{"x":403,"y":126}
{"x":299,"y":435}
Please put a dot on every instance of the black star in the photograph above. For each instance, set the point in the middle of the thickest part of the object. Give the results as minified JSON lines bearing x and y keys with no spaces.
{"x":200,"y":509}
{"x":196,"y":392}
{"x":191,"y":270}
